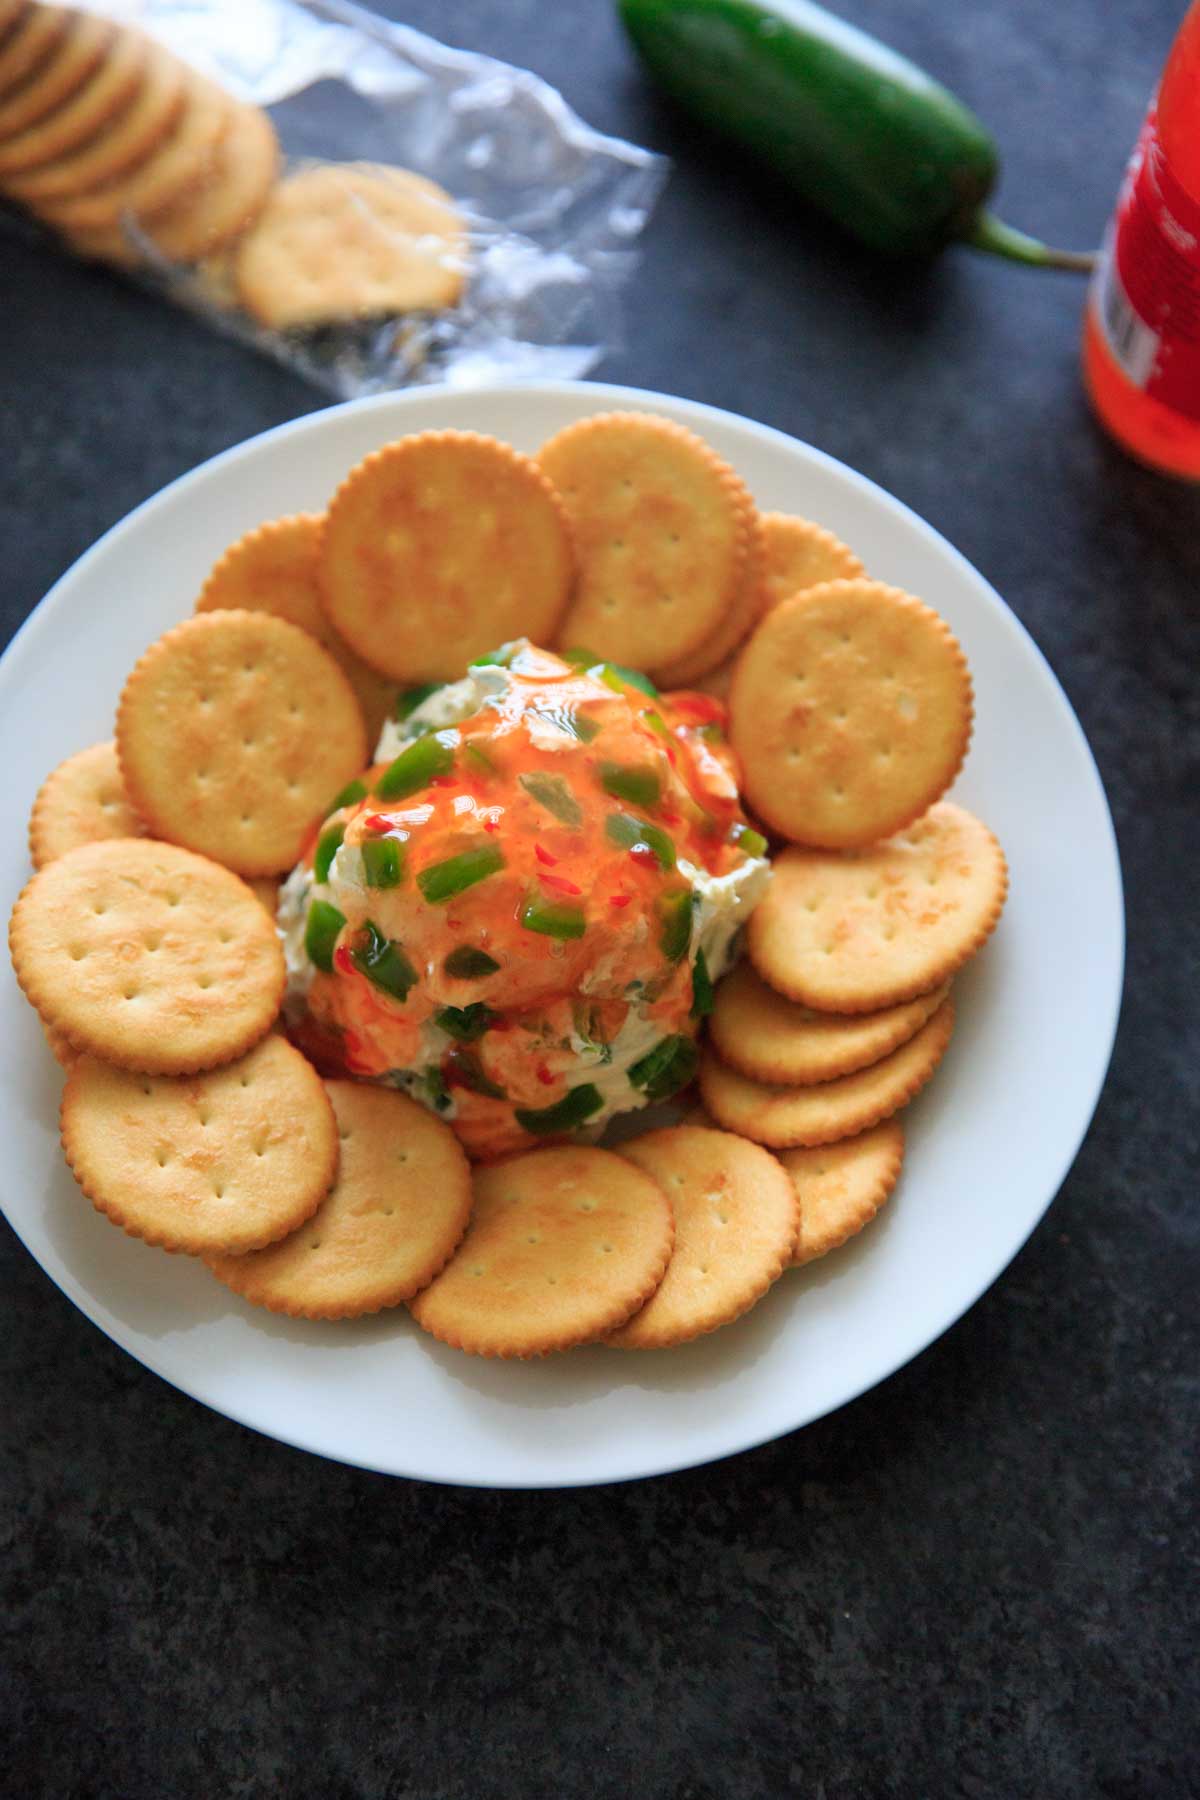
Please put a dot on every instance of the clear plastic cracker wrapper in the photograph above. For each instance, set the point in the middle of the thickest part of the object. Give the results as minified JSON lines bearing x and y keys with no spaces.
{"x":352,"y":197}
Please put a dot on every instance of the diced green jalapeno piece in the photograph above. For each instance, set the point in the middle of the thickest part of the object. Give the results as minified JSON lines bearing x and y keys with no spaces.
{"x":466,"y":1023}
{"x":478,"y":759}
{"x":500,"y":658}
{"x":752,"y":842}
{"x":351,"y":794}
{"x":640,"y":786}
{"x":383,"y":962}
{"x":328,"y":845}
{"x":467,"y":1071}
{"x":383,"y":862}
{"x":702,"y":987}
{"x":442,"y":880}
{"x":469,"y":964}
{"x":433,"y":1085}
{"x":675,"y":915}
{"x":613,"y":675}
{"x":416,"y":766}
{"x":411,"y":698}
{"x":553,"y":919}
{"x":667,"y":1068}
{"x":320,"y":934}
{"x":711,"y":733}
{"x":552,"y":792}
{"x":627,"y":831}
{"x":577,"y":1105}
{"x":657,"y":723}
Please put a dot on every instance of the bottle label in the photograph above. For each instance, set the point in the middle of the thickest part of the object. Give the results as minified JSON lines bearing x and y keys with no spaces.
{"x":1147,"y":286}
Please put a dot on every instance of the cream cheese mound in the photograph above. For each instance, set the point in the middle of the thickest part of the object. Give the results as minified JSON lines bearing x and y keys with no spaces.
{"x":725,"y":903}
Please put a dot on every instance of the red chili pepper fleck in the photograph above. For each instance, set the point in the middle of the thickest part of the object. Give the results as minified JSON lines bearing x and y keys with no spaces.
{"x":546,"y":1076}
{"x":669,"y":818}
{"x":544,"y":856}
{"x":454,"y":924}
{"x":341,"y":957}
{"x":443,"y":781}
{"x":642,"y":854}
{"x":560,"y":884}
{"x":490,"y":824}
{"x":620,"y":899}
{"x":377,"y":822}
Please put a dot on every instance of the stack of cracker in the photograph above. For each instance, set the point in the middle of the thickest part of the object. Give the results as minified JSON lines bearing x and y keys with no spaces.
{"x":145,"y":943}
{"x":133,"y":156}
{"x":851,"y":711}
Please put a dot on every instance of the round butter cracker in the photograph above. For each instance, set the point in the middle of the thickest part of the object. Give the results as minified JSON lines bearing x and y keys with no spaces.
{"x":59,"y":75}
{"x":232,"y":731}
{"x":387,"y":1226}
{"x":798,"y":554}
{"x":851,"y":711}
{"x":769,"y":1038}
{"x":83,"y":801}
{"x":782,"y":1117}
{"x":664,"y":531}
{"x":177,"y":165}
{"x":147,"y":956}
{"x":207,"y":218}
{"x":102,"y":94}
{"x":865,"y":929}
{"x":438,"y":548}
{"x":842,"y":1186}
{"x":273,"y":569}
{"x":126,"y":140}
{"x":346,"y":241}
{"x":221,"y":1162}
{"x":29,"y":41}
{"x":736,"y":1217}
{"x":563,"y":1246}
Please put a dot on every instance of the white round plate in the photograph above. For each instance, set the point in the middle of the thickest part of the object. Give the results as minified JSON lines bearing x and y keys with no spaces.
{"x":989,"y":1141}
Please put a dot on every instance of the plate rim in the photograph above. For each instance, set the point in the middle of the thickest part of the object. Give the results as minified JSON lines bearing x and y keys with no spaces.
{"x":605,"y":394}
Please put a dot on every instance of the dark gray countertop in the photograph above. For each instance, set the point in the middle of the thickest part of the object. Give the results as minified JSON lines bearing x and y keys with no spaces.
{"x":980,"y":1578}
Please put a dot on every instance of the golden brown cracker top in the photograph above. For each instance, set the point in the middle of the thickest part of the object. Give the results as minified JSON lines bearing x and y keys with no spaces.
{"x":782,"y":1117}
{"x":147,"y":956}
{"x":81,"y":802}
{"x":438,"y":548}
{"x":350,"y":240}
{"x":389,"y":1223}
{"x":736,"y":1217}
{"x":225,"y":1161}
{"x":856,"y":930}
{"x":233,"y":731}
{"x":761,"y":1034}
{"x":663,"y":531}
{"x":842,"y":1186}
{"x":273,"y":569}
{"x":798,"y":554}
{"x":851,"y":711}
{"x":563,"y":1246}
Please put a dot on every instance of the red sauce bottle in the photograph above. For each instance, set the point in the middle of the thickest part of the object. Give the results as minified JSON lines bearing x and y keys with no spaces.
{"x":1141,"y":350}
